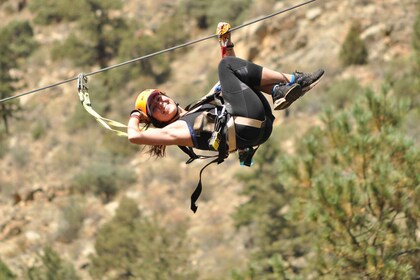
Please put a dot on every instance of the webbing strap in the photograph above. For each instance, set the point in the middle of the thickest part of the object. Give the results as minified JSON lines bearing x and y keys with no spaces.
{"x":196,"y":194}
{"x":248,"y":121}
{"x":231,"y":138}
{"x":87,"y":104}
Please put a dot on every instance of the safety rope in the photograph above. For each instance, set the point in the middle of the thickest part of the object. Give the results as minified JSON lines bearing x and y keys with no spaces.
{"x":87,"y":105}
{"x":154,"y":54}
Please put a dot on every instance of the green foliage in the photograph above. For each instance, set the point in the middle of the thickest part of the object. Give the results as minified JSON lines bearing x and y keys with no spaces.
{"x":51,"y":11}
{"x":365,"y":191}
{"x":233,"y":12}
{"x":342,"y":93}
{"x":132,"y":246}
{"x":81,"y":52}
{"x":80,"y":119}
{"x":354,"y":50}
{"x":104,"y":178}
{"x":97,"y":39}
{"x":118,"y":146}
{"x":339,"y":94}
{"x":39,"y":130}
{"x":351,"y":192}
{"x":5,"y":272}
{"x":20,"y":155}
{"x":4,"y":147}
{"x":403,"y":78}
{"x":72,"y":222}
{"x":16,"y":42}
{"x":53,"y":267}
{"x":19,"y":36}
{"x":416,"y":38}
{"x":266,"y":216}
{"x":159,"y":67}
{"x":209,"y":13}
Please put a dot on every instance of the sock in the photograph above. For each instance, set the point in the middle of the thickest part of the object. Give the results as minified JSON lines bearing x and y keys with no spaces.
{"x":274,"y":89}
{"x":292,"y":80}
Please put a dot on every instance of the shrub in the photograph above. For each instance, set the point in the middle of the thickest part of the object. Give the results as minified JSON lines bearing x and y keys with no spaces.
{"x":118,"y":146}
{"x":5,"y":272}
{"x":209,"y":13}
{"x":53,"y":267}
{"x":73,"y":216}
{"x":20,"y":155}
{"x":39,"y":130}
{"x":339,"y":94}
{"x":51,"y":11}
{"x":416,"y":38}
{"x":354,"y":50}
{"x":104,"y":179}
{"x":133,"y":246}
{"x":16,"y":42}
{"x":20,"y":38}
{"x":352,"y":186}
{"x":4,"y":147}
{"x":79,"y":120}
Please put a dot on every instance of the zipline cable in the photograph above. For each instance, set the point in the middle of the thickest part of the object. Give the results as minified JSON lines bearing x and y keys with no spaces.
{"x":155,"y":53}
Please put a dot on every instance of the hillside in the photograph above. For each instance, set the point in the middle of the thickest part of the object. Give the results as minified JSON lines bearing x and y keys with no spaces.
{"x":37,"y":173}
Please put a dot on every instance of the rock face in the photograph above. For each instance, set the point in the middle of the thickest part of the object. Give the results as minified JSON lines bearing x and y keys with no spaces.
{"x":32,"y":192}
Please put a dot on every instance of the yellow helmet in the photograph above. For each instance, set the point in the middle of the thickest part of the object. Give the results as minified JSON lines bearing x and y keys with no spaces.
{"x":143,"y":99}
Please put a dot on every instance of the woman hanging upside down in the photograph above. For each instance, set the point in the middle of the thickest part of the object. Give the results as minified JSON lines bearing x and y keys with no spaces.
{"x":236,"y":117}
{"x":241,"y":84}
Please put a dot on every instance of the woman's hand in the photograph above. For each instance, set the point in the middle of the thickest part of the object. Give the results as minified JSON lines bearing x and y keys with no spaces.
{"x":223,"y":33}
{"x":139,"y":115}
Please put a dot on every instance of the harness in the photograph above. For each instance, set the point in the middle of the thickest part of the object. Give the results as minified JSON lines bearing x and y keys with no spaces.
{"x":223,"y":138}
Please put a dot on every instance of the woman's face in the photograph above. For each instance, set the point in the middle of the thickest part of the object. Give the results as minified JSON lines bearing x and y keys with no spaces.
{"x":162,"y":108}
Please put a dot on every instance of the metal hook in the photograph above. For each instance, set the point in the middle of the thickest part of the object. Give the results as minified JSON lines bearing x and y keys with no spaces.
{"x":82,"y":82}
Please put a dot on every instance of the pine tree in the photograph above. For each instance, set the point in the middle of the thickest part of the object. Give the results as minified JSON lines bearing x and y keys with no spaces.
{"x":349,"y":200}
{"x":266,"y":216}
{"x":363,"y":175}
{"x":16,"y":43}
{"x":98,"y":36}
{"x":353,"y":51}
{"x":132,"y":246}
{"x":53,"y":267}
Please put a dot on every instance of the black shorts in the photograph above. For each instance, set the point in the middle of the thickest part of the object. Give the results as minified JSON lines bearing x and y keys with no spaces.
{"x":239,"y":79}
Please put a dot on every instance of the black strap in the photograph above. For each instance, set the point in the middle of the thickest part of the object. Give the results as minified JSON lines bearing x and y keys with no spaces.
{"x":189,"y":151}
{"x":196,"y":194}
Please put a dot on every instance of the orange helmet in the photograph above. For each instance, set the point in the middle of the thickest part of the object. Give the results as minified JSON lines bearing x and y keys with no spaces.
{"x":143,"y":99}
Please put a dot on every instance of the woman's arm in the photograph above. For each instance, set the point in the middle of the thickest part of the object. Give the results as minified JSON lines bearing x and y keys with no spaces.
{"x":177,"y":133}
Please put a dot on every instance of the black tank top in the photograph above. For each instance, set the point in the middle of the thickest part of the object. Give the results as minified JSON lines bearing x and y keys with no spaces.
{"x":200,"y":139}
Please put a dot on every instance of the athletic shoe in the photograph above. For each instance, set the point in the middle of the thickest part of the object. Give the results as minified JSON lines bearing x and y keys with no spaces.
{"x":308,"y":80}
{"x":284,"y":95}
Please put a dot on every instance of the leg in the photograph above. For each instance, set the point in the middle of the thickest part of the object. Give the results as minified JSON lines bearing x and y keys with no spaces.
{"x":271,"y":77}
{"x":290,"y":88}
{"x":238,"y":79}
